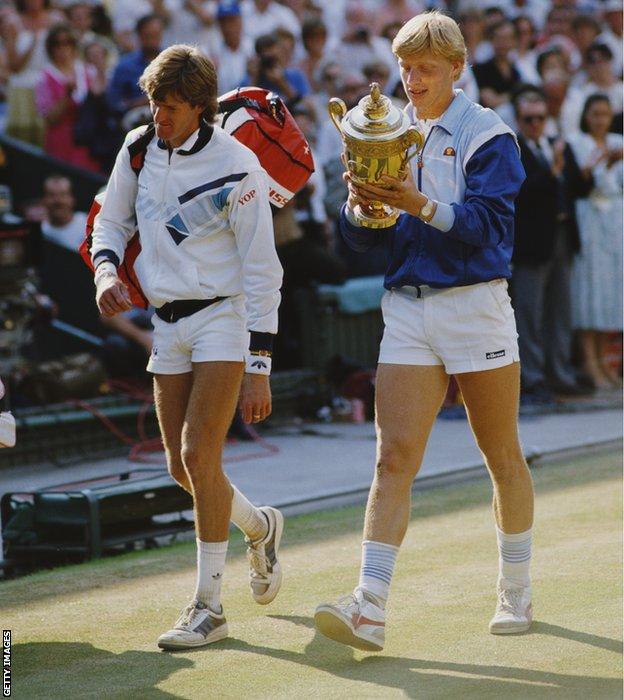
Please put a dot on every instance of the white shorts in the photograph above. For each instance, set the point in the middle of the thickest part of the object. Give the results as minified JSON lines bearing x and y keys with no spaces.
{"x":466,"y":329}
{"x":216,"y":333}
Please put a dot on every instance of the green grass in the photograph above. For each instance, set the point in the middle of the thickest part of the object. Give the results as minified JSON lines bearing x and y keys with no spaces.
{"x":90,"y":630}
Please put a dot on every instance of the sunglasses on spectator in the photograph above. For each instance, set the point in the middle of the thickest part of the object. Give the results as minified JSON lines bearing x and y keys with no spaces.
{"x":529,"y":119}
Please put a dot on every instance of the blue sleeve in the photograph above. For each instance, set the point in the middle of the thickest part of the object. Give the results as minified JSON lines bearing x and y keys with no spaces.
{"x":359,"y":238}
{"x":494,"y":174}
{"x":299,"y":82}
{"x":114,"y":90}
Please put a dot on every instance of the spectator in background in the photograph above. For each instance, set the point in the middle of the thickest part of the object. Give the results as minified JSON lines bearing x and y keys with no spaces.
{"x":558,"y":32}
{"x":524,"y":57}
{"x":190,"y":22}
{"x":472,"y":25}
{"x":269,"y":71}
{"x":395,"y":11}
{"x":24,"y":34}
{"x":612,"y":34}
{"x":123,"y":92}
{"x":232,"y":50}
{"x":314,"y":38}
{"x":585,"y":30}
{"x":262,"y":17}
{"x":498,"y":77}
{"x":126,"y":15}
{"x":601,"y":79}
{"x":63,"y":225}
{"x":64,"y":85}
{"x":359,"y":45}
{"x":546,"y":239}
{"x":597,"y":271}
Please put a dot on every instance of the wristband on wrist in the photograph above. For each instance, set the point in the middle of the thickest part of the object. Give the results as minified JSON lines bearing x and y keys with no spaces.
{"x":258,"y":362}
{"x":105,"y":269}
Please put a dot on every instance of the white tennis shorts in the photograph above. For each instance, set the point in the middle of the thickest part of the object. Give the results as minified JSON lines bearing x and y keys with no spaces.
{"x":216,"y":333}
{"x":466,"y":329}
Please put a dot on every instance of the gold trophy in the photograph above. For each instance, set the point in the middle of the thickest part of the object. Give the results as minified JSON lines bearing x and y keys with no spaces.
{"x":377,"y":137}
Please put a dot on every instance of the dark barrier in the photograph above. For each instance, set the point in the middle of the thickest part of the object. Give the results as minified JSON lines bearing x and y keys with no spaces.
{"x":24,"y":168}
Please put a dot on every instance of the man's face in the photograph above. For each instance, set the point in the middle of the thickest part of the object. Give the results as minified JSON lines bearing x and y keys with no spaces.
{"x":532,"y":119}
{"x":428,"y":82}
{"x":58,"y":201}
{"x":504,"y":40}
{"x":150,"y":36}
{"x":175,"y":120}
{"x":599,"y":67}
{"x":231,"y":29}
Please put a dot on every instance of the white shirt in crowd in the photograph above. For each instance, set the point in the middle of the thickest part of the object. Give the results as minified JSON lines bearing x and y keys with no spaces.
{"x":257,"y":23}
{"x":69,"y":236}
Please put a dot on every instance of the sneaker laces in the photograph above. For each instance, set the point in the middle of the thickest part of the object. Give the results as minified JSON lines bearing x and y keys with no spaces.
{"x":349,"y":602}
{"x":258,"y":560}
{"x":509,"y":600}
{"x":187,"y":615}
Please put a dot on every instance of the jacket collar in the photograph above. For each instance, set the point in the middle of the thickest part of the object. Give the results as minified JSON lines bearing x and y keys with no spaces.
{"x":195,"y":142}
{"x":450,"y":119}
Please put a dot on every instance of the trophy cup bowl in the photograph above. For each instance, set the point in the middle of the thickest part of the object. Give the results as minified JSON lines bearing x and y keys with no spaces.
{"x":377,"y":138}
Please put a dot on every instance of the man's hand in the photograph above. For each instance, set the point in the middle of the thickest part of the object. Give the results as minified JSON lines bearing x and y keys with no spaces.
{"x":112,"y":296}
{"x":254,"y":401}
{"x":402,"y":194}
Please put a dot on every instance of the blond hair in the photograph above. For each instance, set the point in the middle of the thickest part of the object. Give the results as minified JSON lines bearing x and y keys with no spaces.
{"x":431,"y":31}
{"x":183,"y":72}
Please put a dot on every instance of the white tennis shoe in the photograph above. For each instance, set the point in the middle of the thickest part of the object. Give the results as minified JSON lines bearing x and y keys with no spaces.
{"x":358,"y":620}
{"x":514,"y":611}
{"x":197,"y":626}
{"x":265,"y":572}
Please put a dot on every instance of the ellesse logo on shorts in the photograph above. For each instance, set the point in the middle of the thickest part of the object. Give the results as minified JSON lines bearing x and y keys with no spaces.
{"x":494,"y":355}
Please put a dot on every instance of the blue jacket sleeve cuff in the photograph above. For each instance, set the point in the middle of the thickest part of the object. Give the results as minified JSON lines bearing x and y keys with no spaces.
{"x":444,"y":217}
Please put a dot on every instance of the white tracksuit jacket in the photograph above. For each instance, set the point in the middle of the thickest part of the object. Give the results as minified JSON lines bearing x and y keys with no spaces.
{"x":204,"y":219}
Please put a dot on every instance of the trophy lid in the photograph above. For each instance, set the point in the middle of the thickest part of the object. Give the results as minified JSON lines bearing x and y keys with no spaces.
{"x":375,"y":118}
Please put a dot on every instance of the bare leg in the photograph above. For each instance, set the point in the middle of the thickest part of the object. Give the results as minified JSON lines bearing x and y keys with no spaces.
{"x":408,"y":399}
{"x":491,"y":399}
{"x":211,"y":405}
{"x":171,"y":394}
{"x":592,"y":365}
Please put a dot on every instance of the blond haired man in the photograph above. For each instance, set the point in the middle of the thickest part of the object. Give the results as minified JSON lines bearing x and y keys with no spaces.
{"x":446,"y":312}
{"x":209,"y":267}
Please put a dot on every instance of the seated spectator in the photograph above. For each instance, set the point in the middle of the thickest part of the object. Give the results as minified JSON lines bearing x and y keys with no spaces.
{"x":96,"y":125}
{"x":601,"y":79}
{"x":123,"y":92}
{"x":262,"y":17}
{"x":597,"y":271}
{"x":306,"y":260}
{"x":23,"y":33}
{"x":231,"y":51}
{"x":612,"y":33}
{"x":585,"y":31}
{"x":524,"y":56}
{"x":360,"y":45}
{"x":62,"y":224}
{"x":270,"y":72}
{"x":546,"y":240}
{"x":64,"y":85}
{"x":498,"y":77}
{"x":314,"y":37}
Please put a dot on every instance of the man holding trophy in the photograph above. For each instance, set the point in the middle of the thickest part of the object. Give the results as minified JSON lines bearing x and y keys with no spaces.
{"x":447,"y":215}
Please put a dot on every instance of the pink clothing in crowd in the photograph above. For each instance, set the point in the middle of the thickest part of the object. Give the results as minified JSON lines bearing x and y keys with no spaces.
{"x":59,"y":137}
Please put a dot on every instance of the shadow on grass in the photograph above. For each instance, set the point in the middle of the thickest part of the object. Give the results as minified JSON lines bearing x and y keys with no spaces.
{"x":75,"y":669}
{"x":301,"y":530}
{"x":429,"y":678}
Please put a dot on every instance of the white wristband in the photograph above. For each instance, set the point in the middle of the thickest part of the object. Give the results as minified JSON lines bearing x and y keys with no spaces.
{"x":258,"y":364}
{"x":105,"y":269}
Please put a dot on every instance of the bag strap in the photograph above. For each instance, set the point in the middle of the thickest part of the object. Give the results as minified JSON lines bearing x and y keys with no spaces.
{"x":274,"y":102}
{"x":138,"y":148}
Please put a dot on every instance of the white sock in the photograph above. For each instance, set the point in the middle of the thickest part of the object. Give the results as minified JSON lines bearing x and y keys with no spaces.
{"x":514,"y":557}
{"x":247,"y":518}
{"x":378,"y":559}
{"x":210,"y":566}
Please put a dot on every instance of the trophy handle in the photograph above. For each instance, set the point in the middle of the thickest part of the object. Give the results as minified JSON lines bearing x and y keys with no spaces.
{"x":414,"y":137}
{"x":337,"y":109}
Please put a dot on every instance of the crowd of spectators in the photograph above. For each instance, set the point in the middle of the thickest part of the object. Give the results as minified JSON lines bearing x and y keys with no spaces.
{"x":552,"y":70}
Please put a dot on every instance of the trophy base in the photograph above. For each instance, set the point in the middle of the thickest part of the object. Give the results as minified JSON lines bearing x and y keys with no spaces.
{"x":380,"y":218}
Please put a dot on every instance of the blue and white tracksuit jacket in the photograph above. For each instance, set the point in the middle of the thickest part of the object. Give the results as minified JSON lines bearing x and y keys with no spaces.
{"x":470,"y":165}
